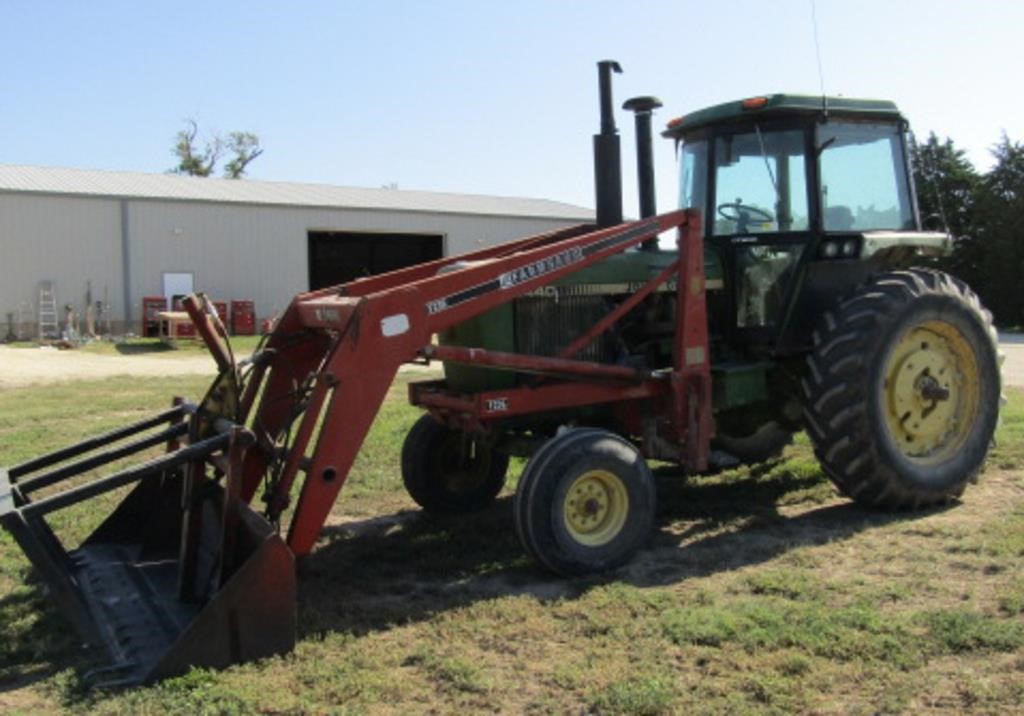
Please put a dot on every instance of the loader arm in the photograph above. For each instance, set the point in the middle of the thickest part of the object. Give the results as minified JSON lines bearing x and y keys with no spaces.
{"x":335,"y":353}
{"x":185,"y":572}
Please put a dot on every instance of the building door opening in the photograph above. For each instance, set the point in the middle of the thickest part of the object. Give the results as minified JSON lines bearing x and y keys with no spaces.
{"x":341,"y":256}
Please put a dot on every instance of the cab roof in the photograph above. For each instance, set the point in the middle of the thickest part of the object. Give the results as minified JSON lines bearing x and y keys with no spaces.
{"x":774,"y":105}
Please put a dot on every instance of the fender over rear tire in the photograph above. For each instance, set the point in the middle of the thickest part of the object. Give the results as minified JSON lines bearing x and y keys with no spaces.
{"x":446,"y":470}
{"x":902,"y":390}
{"x":585,"y":502}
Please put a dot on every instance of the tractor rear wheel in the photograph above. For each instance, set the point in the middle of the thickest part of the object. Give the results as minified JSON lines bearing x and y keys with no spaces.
{"x":447,"y":470}
{"x":902,"y":390}
{"x":585,"y":502}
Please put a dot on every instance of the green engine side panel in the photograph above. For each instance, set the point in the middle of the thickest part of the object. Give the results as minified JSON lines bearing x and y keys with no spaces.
{"x":495,"y":330}
{"x":737,"y":384}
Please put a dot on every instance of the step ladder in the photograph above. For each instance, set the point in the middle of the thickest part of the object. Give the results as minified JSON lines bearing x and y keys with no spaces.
{"x":48,"y":325}
{"x":25,"y":314}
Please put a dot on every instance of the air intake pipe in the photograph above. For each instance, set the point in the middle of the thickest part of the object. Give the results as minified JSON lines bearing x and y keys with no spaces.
{"x":607,"y":156}
{"x":643,"y":108}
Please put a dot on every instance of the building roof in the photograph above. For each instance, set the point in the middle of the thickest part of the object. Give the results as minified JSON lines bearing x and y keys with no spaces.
{"x":137,"y":185}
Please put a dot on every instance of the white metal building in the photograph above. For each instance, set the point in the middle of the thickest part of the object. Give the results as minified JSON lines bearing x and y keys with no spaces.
{"x":122,"y":235}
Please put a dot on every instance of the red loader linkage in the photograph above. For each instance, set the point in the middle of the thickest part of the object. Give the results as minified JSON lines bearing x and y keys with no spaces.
{"x":185,"y":572}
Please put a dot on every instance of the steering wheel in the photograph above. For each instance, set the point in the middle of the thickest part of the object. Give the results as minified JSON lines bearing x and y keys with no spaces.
{"x":742,"y":214}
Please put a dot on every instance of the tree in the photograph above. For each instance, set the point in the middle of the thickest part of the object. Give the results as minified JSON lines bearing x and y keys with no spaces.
{"x":244,"y":148}
{"x":947,"y":184}
{"x":191,"y":161}
{"x":1001,"y":210}
{"x":948,"y":191}
{"x":985,"y":214}
{"x":1006,"y":179}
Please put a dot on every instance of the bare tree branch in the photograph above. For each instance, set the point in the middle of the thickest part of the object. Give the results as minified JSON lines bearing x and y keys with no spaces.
{"x":243,"y":146}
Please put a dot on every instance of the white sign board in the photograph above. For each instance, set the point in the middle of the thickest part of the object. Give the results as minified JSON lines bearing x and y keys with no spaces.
{"x":176,"y":284}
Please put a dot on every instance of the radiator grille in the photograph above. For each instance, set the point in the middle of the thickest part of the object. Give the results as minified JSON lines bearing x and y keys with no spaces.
{"x":546,"y":325}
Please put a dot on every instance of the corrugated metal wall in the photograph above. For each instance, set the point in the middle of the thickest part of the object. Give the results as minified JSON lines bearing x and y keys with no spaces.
{"x":234,"y":251}
{"x":69,"y":241}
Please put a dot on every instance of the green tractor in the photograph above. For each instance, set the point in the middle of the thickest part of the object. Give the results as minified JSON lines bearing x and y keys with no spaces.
{"x":791,"y":301}
{"x":823,"y":316}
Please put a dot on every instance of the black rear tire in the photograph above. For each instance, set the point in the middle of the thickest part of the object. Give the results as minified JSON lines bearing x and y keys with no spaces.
{"x":447,"y":471}
{"x":902,"y":390}
{"x":765,"y":443}
{"x":585,"y":502}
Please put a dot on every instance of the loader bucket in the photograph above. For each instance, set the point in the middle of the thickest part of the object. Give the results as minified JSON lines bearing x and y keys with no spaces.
{"x":182,"y":573}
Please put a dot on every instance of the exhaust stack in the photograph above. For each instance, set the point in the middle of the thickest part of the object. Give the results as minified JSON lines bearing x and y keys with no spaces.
{"x":607,"y":156}
{"x":643,"y":108}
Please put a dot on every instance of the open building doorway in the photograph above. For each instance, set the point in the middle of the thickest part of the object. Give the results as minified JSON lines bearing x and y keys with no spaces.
{"x":341,"y":256}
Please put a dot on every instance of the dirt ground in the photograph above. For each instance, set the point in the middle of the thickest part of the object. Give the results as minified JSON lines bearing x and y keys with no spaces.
{"x":40,"y":366}
{"x":35,"y":366}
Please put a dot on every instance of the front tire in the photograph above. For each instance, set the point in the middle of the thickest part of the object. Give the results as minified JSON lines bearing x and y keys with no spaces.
{"x":448,"y":471}
{"x":902,"y":390}
{"x":585,"y":502}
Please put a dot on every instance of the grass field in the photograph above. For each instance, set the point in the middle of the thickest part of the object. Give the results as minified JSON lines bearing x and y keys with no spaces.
{"x":762,"y":591}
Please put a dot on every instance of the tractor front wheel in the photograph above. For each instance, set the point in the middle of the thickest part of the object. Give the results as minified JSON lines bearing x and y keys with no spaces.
{"x":447,"y":470}
{"x":585,"y":502}
{"x":902,"y":390}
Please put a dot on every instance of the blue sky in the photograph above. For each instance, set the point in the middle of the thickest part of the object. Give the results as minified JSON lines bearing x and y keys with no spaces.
{"x":473,"y":96}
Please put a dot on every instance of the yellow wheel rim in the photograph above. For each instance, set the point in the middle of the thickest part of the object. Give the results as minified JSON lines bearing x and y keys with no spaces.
{"x":932,"y":392}
{"x":596,"y":507}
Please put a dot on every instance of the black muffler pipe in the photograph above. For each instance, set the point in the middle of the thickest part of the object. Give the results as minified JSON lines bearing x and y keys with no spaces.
{"x":607,"y":157}
{"x":643,"y":108}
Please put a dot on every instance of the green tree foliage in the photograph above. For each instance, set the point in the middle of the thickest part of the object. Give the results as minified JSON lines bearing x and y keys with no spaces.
{"x":947,"y":192}
{"x":1001,"y":231}
{"x":192,"y":160}
{"x":242,"y":147}
{"x":985,"y":212}
{"x":947,"y":184}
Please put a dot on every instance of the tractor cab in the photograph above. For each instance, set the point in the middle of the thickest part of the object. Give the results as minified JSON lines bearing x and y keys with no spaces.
{"x":797,"y":192}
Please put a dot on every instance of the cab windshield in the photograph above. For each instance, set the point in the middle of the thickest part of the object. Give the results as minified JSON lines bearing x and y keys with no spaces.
{"x":760,"y":183}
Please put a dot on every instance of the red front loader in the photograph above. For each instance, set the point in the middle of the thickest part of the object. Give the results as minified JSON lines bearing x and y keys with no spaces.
{"x":187,"y":572}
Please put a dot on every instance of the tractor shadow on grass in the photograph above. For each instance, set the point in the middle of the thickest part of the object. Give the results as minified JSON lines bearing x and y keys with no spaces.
{"x":410,"y":566}
{"x":139,"y":348}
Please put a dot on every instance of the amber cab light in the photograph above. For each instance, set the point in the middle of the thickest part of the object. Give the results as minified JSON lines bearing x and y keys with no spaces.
{"x":755,"y":103}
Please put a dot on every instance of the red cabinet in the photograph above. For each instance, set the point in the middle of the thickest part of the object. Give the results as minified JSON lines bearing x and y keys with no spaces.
{"x":243,"y":318}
